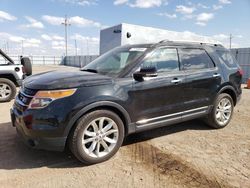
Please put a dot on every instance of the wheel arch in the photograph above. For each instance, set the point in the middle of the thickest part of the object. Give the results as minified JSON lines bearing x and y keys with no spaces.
{"x":228,"y":89}
{"x":108,"y":105}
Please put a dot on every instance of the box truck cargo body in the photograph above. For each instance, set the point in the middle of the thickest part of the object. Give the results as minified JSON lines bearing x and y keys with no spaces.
{"x":123,"y":34}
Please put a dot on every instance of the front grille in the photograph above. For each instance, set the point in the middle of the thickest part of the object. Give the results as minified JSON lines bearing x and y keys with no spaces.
{"x":30,"y":92}
{"x":23,"y":98}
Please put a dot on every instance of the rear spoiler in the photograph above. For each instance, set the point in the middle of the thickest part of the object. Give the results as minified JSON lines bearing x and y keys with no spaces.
{"x":6,"y":57}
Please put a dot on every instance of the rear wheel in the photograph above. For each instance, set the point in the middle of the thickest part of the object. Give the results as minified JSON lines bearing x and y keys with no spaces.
{"x":222,"y":111}
{"x":97,"y":136}
{"x":7,"y":90}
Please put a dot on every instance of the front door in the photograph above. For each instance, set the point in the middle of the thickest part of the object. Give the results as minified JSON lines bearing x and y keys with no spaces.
{"x":160,"y":96}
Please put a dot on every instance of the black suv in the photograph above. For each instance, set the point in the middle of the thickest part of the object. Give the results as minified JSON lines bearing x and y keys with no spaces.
{"x":129,"y":89}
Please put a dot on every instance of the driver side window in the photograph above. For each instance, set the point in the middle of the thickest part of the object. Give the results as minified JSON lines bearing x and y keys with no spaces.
{"x":163,"y":59}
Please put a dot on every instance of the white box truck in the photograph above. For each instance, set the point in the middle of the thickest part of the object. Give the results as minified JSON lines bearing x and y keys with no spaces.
{"x":124,"y":33}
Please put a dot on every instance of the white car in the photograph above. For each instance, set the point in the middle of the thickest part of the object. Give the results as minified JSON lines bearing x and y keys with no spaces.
{"x":11,"y":75}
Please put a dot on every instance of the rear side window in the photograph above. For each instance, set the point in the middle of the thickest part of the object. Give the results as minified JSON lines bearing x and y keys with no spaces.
{"x":164,"y":59}
{"x":227,"y":58}
{"x":192,"y":59}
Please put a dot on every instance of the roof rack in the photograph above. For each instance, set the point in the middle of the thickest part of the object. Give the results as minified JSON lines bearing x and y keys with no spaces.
{"x":191,"y":42}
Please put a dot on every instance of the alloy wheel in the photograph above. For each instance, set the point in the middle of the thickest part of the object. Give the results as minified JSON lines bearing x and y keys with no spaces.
{"x":223,"y":111}
{"x":100,"y":137}
{"x":5,"y":91}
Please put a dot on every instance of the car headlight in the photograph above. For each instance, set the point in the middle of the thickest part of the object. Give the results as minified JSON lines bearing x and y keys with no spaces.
{"x":44,"y":98}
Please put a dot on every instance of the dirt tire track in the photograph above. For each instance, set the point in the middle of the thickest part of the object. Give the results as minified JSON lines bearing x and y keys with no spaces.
{"x":172,"y":167}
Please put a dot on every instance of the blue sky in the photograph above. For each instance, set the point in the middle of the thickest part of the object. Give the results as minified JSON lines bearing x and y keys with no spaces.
{"x":36,"y":24}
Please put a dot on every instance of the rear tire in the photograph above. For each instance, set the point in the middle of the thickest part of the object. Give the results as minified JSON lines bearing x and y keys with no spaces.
{"x":222,"y":112}
{"x":25,"y":61}
{"x":7,"y":90}
{"x":97,"y":136}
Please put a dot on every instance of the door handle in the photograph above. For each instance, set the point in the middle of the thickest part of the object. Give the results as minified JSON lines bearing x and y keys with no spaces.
{"x":216,"y":75}
{"x":176,"y":81}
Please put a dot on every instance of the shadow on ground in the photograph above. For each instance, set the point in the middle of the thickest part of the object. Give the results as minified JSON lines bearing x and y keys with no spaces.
{"x":14,"y":154}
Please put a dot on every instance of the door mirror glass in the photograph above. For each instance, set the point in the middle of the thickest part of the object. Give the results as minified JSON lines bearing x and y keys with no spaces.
{"x":145,"y":72}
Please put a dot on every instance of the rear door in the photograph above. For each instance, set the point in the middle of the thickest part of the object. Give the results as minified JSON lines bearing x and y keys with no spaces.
{"x":202,"y":78}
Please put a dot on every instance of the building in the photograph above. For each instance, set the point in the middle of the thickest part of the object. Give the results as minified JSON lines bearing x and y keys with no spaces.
{"x":124,"y":33}
{"x":243,"y":57}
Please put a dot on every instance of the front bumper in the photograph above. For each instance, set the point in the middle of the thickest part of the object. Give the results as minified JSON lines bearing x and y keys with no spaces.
{"x":35,"y":138}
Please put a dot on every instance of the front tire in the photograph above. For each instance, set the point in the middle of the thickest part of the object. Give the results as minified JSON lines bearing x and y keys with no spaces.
{"x":7,"y":90}
{"x":97,"y":136}
{"x":222,"y":112}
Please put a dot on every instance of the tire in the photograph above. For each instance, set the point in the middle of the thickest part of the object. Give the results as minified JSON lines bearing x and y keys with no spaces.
{"x":216,"y":119}
{"x":85,"y":131}
{"x":7,"y":90}
{"x":25,"y":61}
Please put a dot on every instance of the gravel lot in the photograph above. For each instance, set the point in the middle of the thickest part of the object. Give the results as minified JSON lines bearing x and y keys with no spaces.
{"x":183,"y":155}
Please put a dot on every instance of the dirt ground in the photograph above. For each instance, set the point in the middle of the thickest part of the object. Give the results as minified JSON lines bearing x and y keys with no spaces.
{"x":189,"y":154}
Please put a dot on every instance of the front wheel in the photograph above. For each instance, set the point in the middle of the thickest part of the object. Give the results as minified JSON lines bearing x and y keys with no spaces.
{"x":222,"y":111}
{"x":97,"y":136}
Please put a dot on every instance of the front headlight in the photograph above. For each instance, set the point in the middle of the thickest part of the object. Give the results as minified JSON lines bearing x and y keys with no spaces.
{"x":44,"y":98}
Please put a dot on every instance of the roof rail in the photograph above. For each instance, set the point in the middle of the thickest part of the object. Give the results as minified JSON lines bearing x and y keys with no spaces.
{"x":191,"y":42}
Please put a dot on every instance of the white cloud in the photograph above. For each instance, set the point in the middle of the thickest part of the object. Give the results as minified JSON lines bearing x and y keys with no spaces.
{"x":6,"y":16}
{"x":217,"y":7}
{"x":142,"y":3}
{"x":31,"y":42}
{"x":203,"y":18}
{"x":52,"y":37}
{"x":201,"y":23}
{"x":171,"y":16}
{"x":225,"y":1}
{"x":53,"y":20}
{"x":84,"y":38}
{"x":80,"y":2}
{"x":202,"y":6}
{"x":17,"y":39}
{"x":33,"y":23}
{"x":46,"y":37}
{"x":184,"y":9}
{"x":83,"y":22}
{"x":120,"y":2}
{"x":76,"y":20}
{"x":146,"y":3}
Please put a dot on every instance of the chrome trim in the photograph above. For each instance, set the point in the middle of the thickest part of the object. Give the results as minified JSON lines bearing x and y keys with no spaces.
{"x":20,"y":102}
{"x":26,"y":94}
{"x":144,"y":121}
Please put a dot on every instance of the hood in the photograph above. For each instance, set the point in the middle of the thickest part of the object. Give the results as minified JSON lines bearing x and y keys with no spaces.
{"x":64,"y":80}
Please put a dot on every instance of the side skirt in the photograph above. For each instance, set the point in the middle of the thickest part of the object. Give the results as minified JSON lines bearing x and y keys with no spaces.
{"x":147,"y":124}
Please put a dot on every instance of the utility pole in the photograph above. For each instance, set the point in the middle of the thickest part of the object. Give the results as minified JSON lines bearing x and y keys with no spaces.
{"x":230,"y":39}
{"x":66,"y":24}
{"x":76,"y":47}
{"x":22,"y":47}
{"x":87,"y":45}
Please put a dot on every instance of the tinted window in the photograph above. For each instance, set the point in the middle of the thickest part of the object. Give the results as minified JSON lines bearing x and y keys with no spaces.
{"x":163,"y":59}
{"x":195,"y":59}
{"x":227,"y":58}
{"x":114,"y":61}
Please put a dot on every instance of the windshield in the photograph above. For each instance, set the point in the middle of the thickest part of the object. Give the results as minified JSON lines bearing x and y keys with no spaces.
{"x":114,"y":61}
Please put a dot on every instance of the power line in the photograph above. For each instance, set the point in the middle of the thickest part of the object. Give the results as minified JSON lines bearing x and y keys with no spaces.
{"x":66,"y":24}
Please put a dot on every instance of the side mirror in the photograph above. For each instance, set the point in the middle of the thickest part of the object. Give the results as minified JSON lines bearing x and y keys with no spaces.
{"x":145,"y":72}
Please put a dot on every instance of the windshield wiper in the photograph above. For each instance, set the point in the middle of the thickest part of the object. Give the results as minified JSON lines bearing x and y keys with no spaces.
{"x":90,"y":70}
